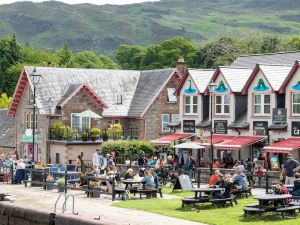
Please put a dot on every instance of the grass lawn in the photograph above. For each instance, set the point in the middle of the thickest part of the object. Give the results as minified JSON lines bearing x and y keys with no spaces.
{"x":204,"y":212}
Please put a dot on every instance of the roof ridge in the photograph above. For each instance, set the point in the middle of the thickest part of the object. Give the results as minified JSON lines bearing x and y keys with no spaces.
{"x":201,"y":69}
{"x":271,"y":53}
{"x":234,"y":67}
{"x":270,"y":64}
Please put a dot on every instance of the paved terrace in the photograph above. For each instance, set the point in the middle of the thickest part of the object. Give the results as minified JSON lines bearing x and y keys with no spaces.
{"x":36,"y":198}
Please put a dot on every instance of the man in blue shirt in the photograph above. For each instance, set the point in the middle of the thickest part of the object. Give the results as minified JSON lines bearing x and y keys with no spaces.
{"x":291,"y":166}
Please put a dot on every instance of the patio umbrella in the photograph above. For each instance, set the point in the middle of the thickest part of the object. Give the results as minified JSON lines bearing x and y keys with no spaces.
{"x":189,"y":145}
{"x":89,"y":114}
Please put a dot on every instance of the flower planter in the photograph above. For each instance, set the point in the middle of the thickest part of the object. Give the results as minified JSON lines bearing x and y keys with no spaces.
{"x":95,"y":194}
{"x":50,"y":186}
{"x":60,"y":188}
{"x":93,"y":138}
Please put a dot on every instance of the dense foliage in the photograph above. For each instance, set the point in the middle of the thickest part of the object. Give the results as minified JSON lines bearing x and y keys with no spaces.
{"x":222,"y":51}
{"x":4,"y":101}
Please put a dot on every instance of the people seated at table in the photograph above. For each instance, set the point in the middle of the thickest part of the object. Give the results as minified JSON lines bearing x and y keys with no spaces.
{"x":220,"y":182}
{"x":169,"y":161}
{"x":214,"y":178}
{"x":153,"y":161}
{"x":216,"y":164}
{"x":280,"y":189}
{"x":239,"y":179}
{"x":155,"y":177}
{"x":129,"y":174}
{"x":291,"y":166}
{"x":227,"y":185}
{"x":296,"y":189}
{"x":148,"y":181}
{"x":259,"y":172}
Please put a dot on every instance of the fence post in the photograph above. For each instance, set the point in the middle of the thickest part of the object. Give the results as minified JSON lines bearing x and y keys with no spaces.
{"x":12,"y":172}
{"x":199,"y":175}
{"x":26,"y":177}
{"x":66,"y":180}
{"x":267,"y":183}
{"x":113,"y":188}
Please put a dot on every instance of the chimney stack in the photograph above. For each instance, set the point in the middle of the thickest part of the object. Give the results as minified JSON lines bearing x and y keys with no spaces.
{"x":182,"y":66}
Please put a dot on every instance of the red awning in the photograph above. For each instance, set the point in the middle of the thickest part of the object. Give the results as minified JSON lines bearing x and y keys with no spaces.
{"x":237,"y":143}
{"x":215,"y":139}
{"x":166,"y":140}
{"x":285,"y":146}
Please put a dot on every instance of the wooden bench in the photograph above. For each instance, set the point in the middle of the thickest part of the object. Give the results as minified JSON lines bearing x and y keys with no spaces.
{"x":253,"y":210}
{"x":289,"y":209}
{"x":148,"y":193}
{"x":121,"y":192}
{"x":222,"y":201}
{"x":193,"y":201}
{"x":252,"y":205}
{"x":242,"y":193}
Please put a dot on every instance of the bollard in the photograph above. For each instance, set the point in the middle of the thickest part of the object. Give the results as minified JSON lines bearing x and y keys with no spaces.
{"x":113,"y":188}
{"x":199,"y":175}
{"x":12,"y":173}
{"x":44,"y":180}
{"x":66,"y":180}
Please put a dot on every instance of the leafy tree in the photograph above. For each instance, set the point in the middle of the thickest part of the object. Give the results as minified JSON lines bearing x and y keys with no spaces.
{"x":65,"y":56}
{"x":89,"y":59}
{"x":216,"y":53}
{"x":5,"y":101}
{"x":294,"y":42}
{"x":130,"y":56}
{"x":270,"y":44}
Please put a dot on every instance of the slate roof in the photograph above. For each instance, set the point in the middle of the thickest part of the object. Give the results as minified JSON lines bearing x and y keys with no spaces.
{"x":201,"y":77}
{"x":287,"y":58}
{"x":276,"y":74}
{"x":7,"y":130}
{"x":236,"y":77}
{"x":69,"y":92}
{"x":136,"y":87}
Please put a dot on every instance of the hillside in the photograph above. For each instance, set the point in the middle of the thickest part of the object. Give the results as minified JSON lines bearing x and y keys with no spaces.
{"x":104,"y":28}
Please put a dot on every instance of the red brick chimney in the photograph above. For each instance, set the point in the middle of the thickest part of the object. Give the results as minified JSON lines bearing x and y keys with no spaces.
{"x":182,"y":66}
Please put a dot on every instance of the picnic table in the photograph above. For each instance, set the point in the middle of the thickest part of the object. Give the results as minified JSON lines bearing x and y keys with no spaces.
{"x":290,"y":187}
{"x":199,"y":191}
{"x":129,"y":183}
{"x":272,"y":201}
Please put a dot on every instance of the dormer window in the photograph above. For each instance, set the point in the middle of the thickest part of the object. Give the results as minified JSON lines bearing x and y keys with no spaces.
{"x":296,"y":104}
{"x":171,"y":97}
{"x":222,"y":104}
{"x":262,"y":105}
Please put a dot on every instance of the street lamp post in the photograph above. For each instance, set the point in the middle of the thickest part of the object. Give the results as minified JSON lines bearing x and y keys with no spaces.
{"x":35,"y":78}
{"x":211,"y":87}
{"x":48,"y":156}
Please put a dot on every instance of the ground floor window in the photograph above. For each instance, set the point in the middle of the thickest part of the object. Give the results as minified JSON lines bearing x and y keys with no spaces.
{"x":165,"y":122}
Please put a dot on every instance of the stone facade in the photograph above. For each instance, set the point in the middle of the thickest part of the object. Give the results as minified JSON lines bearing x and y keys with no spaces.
{"x":160,"y":106}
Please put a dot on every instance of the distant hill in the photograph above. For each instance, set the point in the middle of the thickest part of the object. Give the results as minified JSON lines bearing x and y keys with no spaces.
{"x":104,"y":28}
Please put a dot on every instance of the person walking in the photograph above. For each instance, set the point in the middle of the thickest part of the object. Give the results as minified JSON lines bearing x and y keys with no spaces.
{"x":291,"y":166}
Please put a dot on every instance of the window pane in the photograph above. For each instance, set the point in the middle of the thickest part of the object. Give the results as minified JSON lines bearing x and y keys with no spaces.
{"x":175,"y":117}
{"x":85,"y":123}
{"x":296,"y":108}
{"x":195,"y":100}
{"x":166,"y":118}
{"x":257,"y":99}
{"x":187,"y":100}
{"x":296,"y":98}
{"x":257,"y":109}
{"x":187,"y":109}
{"x":226,"y":108}
{"x":194,"y":108}
{"x":75,"y":122}
{"x":218,"y":99}
{"x":165,"y":126}
{"x":226,"y":99}
{"x":218,"y":108}
{"x":267,"y":109}
{"x":267,"y":98}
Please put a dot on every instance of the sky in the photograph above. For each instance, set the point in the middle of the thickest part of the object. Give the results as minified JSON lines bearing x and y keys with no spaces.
{"x":97,"y":2}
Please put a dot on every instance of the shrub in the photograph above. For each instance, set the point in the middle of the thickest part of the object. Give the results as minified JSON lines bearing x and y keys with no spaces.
{"x":60,"y":182}
{"x":129,"y":149}
{"x":93,"y":184}
{"x":115,"y":131}
{"x":58,"y":130}
{"x":95,"y":132}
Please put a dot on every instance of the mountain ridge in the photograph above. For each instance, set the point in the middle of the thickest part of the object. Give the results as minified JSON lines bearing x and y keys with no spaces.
{"x":102,"y":28}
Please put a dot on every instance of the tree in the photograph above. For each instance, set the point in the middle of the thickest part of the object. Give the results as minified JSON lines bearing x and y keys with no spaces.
{"x":89,"y":59}
{"x":294,"y":43}
{"x":5,"y":101}
{"x":221,"y":52}
{"x":130,"y":56}
{"x":270,"y":44}
{"x":65,"y":56}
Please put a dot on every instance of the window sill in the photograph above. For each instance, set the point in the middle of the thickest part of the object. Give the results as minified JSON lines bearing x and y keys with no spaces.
{"x":261,"y":116}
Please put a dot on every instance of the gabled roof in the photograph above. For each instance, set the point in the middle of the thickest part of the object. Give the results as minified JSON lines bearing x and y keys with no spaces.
{"x":287,"y":58}
{"x":236,"y":77}
{"x":275,"y":75}
{"x":7,"y":130}
{"x":201,"y":78}
{"x":73,"y":89}
{"x":137,"y":88}
{"x":289,"y":77}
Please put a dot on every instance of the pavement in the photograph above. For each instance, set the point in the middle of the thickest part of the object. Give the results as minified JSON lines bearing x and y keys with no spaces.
{"x":37,"y":198}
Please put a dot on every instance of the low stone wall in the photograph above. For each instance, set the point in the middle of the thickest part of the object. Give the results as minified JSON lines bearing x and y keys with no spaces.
{"x":12,"y":214}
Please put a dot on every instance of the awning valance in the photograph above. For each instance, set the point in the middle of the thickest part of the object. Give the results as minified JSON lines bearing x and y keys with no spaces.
{"x":166,"y":140}
{"x":284,"y":146}
{"x":237,"y":143}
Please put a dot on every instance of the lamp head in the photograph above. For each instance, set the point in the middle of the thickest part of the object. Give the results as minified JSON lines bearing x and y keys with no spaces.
{"x":35,"y":77}
{"x":211,"y":86}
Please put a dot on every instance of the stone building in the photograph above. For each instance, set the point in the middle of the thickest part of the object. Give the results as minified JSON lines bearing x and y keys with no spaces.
{"x":7,"y":134}
{"x":141,"y":101}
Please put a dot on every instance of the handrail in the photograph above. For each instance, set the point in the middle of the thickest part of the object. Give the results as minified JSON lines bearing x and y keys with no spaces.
{"x":65,"y":204}
{"x":62,"y":194}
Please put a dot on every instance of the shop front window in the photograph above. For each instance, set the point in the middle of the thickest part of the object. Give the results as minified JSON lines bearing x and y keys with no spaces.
{"x":296,"y":104}
{"x":262,"y":105}
{"x":222,"y":104}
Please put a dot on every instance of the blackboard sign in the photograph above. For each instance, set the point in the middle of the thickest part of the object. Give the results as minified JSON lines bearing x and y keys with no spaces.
{"x":189,"y":126}
{"x":260,"y":128}
{"x":295,"y":129}
{"x":183,"y":182}
{"x":279,"y":115}
{"x":220,"y":126}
